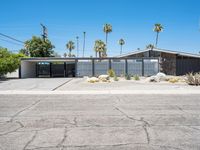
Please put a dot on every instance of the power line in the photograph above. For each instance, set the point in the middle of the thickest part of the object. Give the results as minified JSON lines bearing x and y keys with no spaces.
{"x":11,"y":42}
{"x":7,"y":36}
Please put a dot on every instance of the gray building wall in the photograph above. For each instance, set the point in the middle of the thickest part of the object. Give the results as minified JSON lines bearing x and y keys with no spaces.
{"x":28,"y":69}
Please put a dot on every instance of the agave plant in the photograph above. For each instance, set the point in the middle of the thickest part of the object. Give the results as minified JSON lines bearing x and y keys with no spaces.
{"x":193,"y":79}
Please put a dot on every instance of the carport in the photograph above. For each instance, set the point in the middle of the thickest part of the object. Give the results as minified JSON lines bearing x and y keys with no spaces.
{"x":46,"y":67}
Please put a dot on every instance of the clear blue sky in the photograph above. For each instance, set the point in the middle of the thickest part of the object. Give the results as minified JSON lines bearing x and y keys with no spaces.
{"x":132,"y":20}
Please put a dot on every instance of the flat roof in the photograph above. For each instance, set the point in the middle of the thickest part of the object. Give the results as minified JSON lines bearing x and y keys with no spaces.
{"x":57,"y":59}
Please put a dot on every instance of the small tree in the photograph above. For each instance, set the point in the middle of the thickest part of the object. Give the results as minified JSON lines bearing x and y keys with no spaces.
{"x":70,"y":46}
{"x":100,"y":47}
{"x":150,"y":46}
{"x":24,"y":52}
{"x":121,"y":43}
{"x":9,"y":62}
{"x":37,"y":47}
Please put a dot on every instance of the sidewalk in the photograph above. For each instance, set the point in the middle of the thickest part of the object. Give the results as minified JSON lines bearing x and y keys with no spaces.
{"x":107,"y":92}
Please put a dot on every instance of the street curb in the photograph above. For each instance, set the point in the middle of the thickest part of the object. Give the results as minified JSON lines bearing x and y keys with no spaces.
{"x":107,"y":92}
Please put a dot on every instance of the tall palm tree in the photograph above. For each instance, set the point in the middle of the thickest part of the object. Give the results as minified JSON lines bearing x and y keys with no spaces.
{"x":107,"y":29}
{"x":157,"y":28}
{"x":84,"y":34}
{"x":100,"y":47}
{"x":77,"y":45}
{"x":70,"y":46}
{"x":121,"y":43}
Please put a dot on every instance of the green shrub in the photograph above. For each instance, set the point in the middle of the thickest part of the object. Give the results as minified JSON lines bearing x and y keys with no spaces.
{"x":193,"y":79}
{"x":116,"y":78}
{"x":111,"y":73}
{"x":128,"y":77}
{"x":122,"y":75}
{"x":136,"y":77}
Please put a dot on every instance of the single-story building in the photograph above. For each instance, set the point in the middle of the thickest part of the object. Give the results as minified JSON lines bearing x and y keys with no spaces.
{"x":171,"y":62}
{"x":79,"y":67}
{"x":142,"y":62}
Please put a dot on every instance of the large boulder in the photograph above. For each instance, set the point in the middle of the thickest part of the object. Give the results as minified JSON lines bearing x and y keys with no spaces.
{"x":153,"y":79}
{"x":104,"y":78}
{"x":157,"y":78}
{"x":92,"y":80}
{"x":161,"y":76}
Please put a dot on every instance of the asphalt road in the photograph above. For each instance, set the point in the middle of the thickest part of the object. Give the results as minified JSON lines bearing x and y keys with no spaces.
{"x":100,"y":122}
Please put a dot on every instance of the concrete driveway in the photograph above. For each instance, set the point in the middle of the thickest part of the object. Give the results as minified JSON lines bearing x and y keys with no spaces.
{"x":100,"y":122}
{"x":33,"y":84}
{"x":80,"y":85}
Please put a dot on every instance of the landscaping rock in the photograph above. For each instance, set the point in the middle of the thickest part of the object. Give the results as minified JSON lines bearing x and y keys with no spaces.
{"x":104,"y":78}
{"x":157,"y":78}
{"x":153,"y":79}
{"x":92,"y":80}
{"x":161,"y":76}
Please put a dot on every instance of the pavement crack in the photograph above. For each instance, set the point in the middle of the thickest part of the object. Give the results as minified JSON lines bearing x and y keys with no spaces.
{"x":21,"y":111}
{"x":75,"y":121}
{"x":193,"y":128}
{"x":21,"y":124}
{"x":147,"y":133}
{"x":94,"y":146}
{"x":181,"y":109}
{"x":30,"y":141}
{"x":168,"y":147}
{"x":131,"y":118}
{"x":15,"y":130}
{"x":60,"y":145}
{"x":118,"y":99}
{"x":145,"y":123}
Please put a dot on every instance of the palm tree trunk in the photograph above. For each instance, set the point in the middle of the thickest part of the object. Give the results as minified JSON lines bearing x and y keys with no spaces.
{"x":99,"y":54}
{"x":157,"y":39}
{"x":121,"y":50}
{"x":77,"y":47}
{"x":70,"y":51}
{"x":84,"y":43}
{"x":106,"y":42}
{"x":106,"y":39}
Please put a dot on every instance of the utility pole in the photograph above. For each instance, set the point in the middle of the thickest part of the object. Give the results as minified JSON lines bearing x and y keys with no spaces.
{"x":77,"y":40}
{"x":84,"y":33}
{"x":44,"y":32}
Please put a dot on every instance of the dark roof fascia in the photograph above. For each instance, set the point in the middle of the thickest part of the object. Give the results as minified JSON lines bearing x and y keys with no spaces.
{"x":162,"y":50}
{"x":81,"y":58}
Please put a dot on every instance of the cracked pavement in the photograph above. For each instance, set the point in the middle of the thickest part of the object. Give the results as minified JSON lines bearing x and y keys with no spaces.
{"x":100,"y":122}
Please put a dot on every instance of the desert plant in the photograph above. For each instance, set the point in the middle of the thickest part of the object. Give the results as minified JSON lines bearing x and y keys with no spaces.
{"x":193,"y":79}
{"x":136,"y":77}
{"x":116,"y":78}
{"x":128,"y":77}
{"x":111,"y":73}
{"x":173,"y":80}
